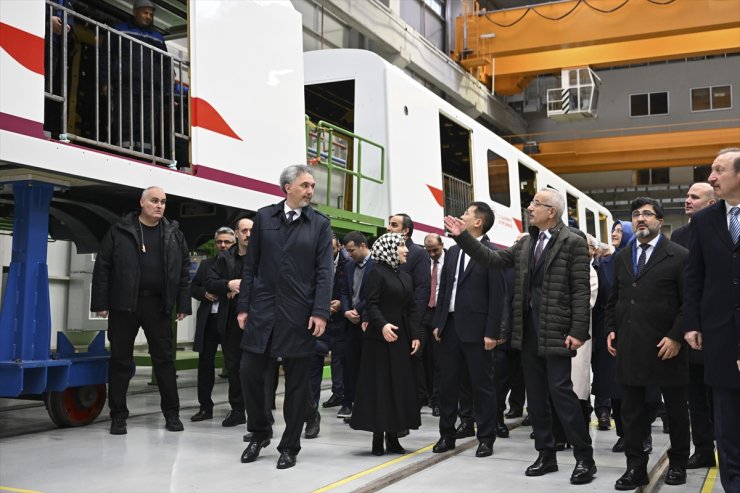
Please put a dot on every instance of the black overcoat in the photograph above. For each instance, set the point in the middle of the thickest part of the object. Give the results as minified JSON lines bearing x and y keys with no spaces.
{"x":198,"y":292}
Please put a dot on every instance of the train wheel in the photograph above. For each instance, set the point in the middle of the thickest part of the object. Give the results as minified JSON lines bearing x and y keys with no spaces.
{"x":76,"y":406}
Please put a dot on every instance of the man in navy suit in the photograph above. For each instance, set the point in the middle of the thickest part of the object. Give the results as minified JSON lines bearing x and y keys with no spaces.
{"x":712,"y":307}
{"x":353,"y":304}
{"x":470,"y":308}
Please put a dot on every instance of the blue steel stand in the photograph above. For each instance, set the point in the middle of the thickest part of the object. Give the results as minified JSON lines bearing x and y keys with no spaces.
{"x":26,"y":364}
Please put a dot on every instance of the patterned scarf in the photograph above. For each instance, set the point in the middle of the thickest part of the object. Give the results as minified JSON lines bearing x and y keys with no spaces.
{"x":385,"y":249}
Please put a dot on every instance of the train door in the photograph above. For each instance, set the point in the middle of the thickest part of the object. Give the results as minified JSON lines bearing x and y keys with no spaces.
{"x":456,"y":161}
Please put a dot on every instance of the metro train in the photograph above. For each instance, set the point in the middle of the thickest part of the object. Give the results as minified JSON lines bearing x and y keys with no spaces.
{"x":380,"y":141}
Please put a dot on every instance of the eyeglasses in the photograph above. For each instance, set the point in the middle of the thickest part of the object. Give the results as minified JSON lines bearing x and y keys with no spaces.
{"x":224,"y":242}
{"x":537,"y":203}
{"x":645,"y":214}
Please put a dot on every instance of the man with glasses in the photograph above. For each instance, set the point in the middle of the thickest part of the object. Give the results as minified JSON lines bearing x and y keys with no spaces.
{"x":645,"y":333}
{"x":550,"y":321}
{"x":223,"y":280}
{"x":207,"y":337}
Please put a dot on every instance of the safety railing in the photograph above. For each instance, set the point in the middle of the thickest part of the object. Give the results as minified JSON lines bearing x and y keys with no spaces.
{"x":341,"y":152}
{"x":458,"y":194}
{"x":139,"y":108}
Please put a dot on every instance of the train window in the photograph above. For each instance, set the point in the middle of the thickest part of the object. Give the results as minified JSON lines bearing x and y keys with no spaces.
{"x":590,"y":223}
{"x":574,"y":218}
{"x":456,"y":175}
{"x":604,"y":228}
{"x":498,"y":179}
{"x":527,"y":190}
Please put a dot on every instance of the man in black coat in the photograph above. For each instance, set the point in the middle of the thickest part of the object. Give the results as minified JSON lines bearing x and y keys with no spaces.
{"x":470,"y":311}
{"x":207,"y":337}
{"x":417,"y":266}
{"x":712,"y":307}
{"x":284,"y":303}
{"x":550,"y":322}
{"x":224,"y":280}
{"x":644,"y":326}
{"x":141,"y":275}
{"x":427,"y":366}
{"x":699,"y":196}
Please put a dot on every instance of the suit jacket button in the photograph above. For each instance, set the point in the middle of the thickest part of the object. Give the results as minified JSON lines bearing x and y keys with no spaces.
{"x":634,"y":284}
{"x":632,"y":302}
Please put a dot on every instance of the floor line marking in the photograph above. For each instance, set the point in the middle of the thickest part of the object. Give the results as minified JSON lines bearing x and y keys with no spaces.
{"x":373,"y":469}
{"x":709,"y":481}
{"x":17,"y":490}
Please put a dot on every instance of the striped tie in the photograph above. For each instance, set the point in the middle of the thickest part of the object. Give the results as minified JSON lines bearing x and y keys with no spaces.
{"x":735,"y":224}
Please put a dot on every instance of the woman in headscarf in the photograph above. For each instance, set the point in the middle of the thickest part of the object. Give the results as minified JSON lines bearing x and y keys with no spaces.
{"x":385,"y":402}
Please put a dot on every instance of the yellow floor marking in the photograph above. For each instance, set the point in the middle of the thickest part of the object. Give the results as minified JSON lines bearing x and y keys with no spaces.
{"x":372,"y":470}
{"x":17,"y":490}
{"x":711,"y":477}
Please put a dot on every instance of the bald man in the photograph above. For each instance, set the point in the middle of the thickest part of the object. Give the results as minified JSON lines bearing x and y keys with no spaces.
{"x":699,"y":196}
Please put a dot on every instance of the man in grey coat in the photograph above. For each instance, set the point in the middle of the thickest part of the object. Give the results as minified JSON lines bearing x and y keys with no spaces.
{"x":283,"y":305}
{"x":551,"y":320}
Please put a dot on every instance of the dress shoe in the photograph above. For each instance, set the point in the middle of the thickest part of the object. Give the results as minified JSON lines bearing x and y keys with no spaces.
{"x":675,"y":476}
{"x":699,"y":460}
{"x":583,"y":472}
{"x":531,"y":435}
{"x":544,"y":464}
{"x":173,"y":423}
{"x":202,"y":415}
{"x":392,"y":446}
{"x":443,"y":445}
{"x":118,"y":426}
{"x":526,"y":421}
{"x":516,"y":413}
{"x":647,"y":444}
{"x":618,"y":447}
{"x":435,"y":411}
{"x":345,"y":411}
{"x":313,"y":425}
{"x":485,"y":448}
{"x":234,"y":418}
{"x":502,"y":431}
{"x":333,"y":401}
{"x":604,"y":422}
{"x":631,"y":480}
{"x":252,"y":451}
{"x":248,"y":436}
{"x":378,"y":444}
{"x":287,"y":460}
{"x":465,"y":430}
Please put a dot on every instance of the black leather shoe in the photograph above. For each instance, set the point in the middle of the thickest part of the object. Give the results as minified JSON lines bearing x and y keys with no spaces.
{"x":485,"y":448}
{"x":675,"y":476}
{"x":248,"y":436}
{"x":699,"y":460}
{"x":502,"y":431}
{"x":435,"y":411}
{"x":173,"y":423}
{"x":526,"y":421}
{"x":202,"y":415}
{"x":531,"y":435}
{"x":118,"y":426}
{"x":313,"y":425}
{"x":286,"y":460}
{"x":516,"y":413}
{"x":392,"y":446}
{"x":377,"y":444}
{"x":465,"y":430}
{"x":252,"y":451}
{"x":234,"y":418}
{"x":647,"y":445}
{"x":333,"y":401}
{"x":618,"y":447}
{"x":443,"y":445}
{"x":631,"y":480}
{"x":583,"y":472}
{"x":544,"y":464}
{"x":604,"y":422}
{"x":344,"y":412}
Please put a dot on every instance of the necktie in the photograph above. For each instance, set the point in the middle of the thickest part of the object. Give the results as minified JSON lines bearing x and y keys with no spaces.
{"x":735,"y":224}
{"x":643,"y":258}
{"x":540,"y":246}
{"x":461,"y":268}
{"x":291,"y":216}
{"x":433,"y":293}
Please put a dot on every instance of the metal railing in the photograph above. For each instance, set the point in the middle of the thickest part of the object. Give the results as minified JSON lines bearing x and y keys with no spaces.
{"x":331,"y":146}
{"x":139,"y":109}
{"x":458,"y":194}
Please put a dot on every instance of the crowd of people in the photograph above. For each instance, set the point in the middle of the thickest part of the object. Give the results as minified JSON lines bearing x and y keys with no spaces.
{"x":655,"y":321}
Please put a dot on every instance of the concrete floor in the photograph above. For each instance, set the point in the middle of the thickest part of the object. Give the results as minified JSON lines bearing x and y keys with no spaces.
{"x":35,"y":456}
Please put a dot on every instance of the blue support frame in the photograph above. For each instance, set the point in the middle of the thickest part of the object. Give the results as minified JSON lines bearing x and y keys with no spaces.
{"x":26,"y":363}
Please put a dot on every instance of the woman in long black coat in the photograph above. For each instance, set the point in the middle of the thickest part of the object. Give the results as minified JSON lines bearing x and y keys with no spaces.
{"x":385,"y":402}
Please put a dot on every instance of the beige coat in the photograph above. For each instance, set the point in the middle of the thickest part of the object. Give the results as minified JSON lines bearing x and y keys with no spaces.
{"x":581,"y":365}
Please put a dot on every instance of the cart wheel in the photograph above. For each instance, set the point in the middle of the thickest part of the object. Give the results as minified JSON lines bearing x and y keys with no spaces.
{"x":75,"y":406}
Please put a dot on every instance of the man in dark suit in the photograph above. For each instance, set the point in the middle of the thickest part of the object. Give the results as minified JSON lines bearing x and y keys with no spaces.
{"x":353,"y":304}
{"x":427,"y":367}
{"x":712,"y":309}
{"x":551,"y":320}
{"x":467,"y":323}
{"x":417,"y":266}
{"x":284,"y":302}
{"x":643,"y":323}
{"x":224,"y":280}
{"x":207,"y":337}
{"x":699,"y":196}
